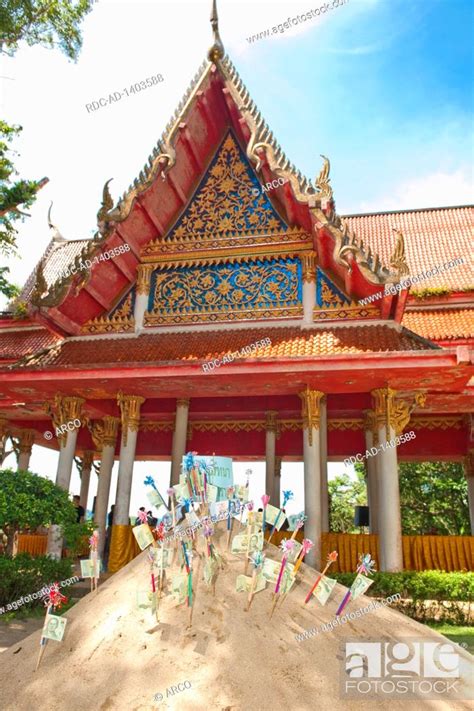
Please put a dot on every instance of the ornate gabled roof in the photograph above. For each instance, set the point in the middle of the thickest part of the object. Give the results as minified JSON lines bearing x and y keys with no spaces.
{"x":261,"y":145}
{"x":215,"y":103}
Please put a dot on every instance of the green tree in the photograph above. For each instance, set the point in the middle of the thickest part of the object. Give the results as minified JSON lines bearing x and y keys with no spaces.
{"x":433,"y":498}
{"x":345,"y":494}
{"x":50,"y":23}
{"x":12,"y":195}
{"x":27,"y":499}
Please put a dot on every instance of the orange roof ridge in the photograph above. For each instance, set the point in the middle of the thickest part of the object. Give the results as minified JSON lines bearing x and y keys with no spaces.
{"x":414,"y":209}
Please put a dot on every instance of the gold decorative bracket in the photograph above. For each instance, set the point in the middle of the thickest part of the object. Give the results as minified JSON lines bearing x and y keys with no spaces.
{"x":130,"y":413}
{"x":310,"y":410}
{"x":65,"y":409}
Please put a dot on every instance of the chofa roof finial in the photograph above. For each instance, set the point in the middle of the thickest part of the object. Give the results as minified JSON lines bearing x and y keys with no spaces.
{"x":217,"y":50}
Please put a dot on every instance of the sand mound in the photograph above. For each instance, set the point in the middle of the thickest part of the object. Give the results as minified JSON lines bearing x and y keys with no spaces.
{"x":115,"y":657}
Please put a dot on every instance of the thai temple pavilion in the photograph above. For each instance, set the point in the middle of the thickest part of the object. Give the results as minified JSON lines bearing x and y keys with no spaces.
{"x":210,"y":261}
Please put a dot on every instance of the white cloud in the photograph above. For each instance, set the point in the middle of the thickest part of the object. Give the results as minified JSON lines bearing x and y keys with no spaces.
{"x":431,"y":190}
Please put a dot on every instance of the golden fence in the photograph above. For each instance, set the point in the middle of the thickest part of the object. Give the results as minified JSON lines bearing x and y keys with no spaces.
{"x":448,"y":553}
{"x":32,"y":544}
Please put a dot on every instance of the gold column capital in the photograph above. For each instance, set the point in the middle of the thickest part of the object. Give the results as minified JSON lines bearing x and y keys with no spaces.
{"x":308,"y":260}
{"x":271,"y":424}
{"x":111,"y":425}
{"x":144,"y":272}
{"x":104,"y":433}
{"x":26,"y":441}
{"x":310,"y":410}
{"x":182,"y":401}
{"x":130,"y":413}
{"x":62,"y":410}
{"x":393,"y":413}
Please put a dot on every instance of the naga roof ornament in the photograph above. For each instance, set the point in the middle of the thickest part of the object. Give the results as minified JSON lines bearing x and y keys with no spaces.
{"x":398,"y":260}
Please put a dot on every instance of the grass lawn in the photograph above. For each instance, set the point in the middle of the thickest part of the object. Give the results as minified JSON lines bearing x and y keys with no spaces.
{"x":461,"y":635}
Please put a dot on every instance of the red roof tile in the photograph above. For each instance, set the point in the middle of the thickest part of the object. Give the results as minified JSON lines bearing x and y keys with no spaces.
{"x":196,"y":346}
{"x":442,"y":324}
{"x":17,"y":344}
{"x":58,"y":256}
{"x":433,"y":237}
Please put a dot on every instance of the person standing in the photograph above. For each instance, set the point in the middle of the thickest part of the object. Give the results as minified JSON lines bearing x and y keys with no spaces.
{"x":76,"y":500}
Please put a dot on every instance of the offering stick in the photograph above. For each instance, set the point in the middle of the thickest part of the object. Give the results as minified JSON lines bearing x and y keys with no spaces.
{"x":160,"y":534}
{"x":305,"y":547}
{"x":332,"y":557}
{"x":286,"y":546}
{"x":230,"y":494}
{"x":170,"y":493}
{"x":250,"y":508}
{"x":151,"y":560}
{"x":299,"y":524}
{"x":257,"y":561}
{"x":52,"y":600}
{"x":287,"y":495}
{"x":248,"y":474}
{"x":366,"y":565}
{"x":265,"y":500}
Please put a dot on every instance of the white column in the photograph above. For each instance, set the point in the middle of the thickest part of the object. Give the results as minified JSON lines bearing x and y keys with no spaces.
{"x":141,"y":294}
{"x":130,"y":411}
{"x":276,"y":499}
{"x":87,"y":459}
{"x":270,"y":447}
{"x":309,"y":286}
{"x":469,"y":471}
{"x":371,"y":465}
{"x":323,"y":454}
{"x":64,"y":411}
{"x":389,"y":522}
{"x":27,"y":439}
{"x":179,"y":439}
{"x":107,"y":436}
{"x":312,"y":473}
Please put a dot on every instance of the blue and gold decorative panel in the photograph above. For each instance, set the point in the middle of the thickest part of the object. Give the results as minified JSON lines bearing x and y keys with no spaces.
{"x":333,"y":305}
{"x":118,"y":320}
{"x":229,"y":199}
{"x":226,"y":292}
{"x":328,"y":296}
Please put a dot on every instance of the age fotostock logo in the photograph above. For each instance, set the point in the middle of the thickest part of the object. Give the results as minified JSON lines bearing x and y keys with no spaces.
{"x":412,"y":668}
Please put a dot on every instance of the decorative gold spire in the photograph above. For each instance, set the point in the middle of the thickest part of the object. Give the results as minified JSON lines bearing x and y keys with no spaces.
{"x":217,"y":50}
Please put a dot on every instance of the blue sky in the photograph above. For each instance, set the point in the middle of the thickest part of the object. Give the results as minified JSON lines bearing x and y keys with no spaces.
{"x":382,"y":87}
